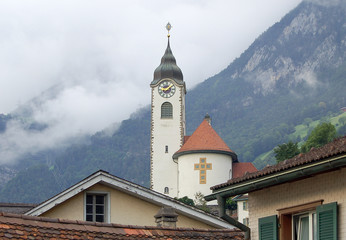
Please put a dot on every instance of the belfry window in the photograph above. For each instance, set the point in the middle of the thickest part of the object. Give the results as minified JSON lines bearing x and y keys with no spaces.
{"x":166,"y":110}
{"x":166,"y":191}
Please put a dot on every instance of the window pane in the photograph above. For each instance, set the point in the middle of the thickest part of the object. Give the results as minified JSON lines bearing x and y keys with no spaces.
{"x":89,"y":218}
{"x":99,"y":218}
{"x":100,"y":199}
{"x":100,"y":209}
{"x":304,"y":228}
{"x":89,"y":209}
{"x":89,"y":199}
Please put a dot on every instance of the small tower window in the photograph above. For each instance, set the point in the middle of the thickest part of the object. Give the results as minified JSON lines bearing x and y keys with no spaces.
{"x":166,"y":190}
{"x":166,"y":110}
{"x":166,"y":149}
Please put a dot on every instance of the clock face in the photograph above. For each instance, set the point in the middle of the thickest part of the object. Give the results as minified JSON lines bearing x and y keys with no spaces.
{"x":166,"y":89}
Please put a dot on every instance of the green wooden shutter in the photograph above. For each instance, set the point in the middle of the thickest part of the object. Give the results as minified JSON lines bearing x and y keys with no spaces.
{"x":268,"y":228}
{"x":327,"y":221}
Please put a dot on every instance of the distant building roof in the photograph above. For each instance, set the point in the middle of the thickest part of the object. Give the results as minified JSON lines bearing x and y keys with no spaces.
{"x":13,"y":226}
{"x":326,"y":158}
{"x":241,"y":168}
{"x":18,"y":208}
{"x":205,"y":140}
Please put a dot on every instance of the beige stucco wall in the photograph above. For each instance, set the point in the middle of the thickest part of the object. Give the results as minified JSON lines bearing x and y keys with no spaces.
{"x":124,"y":209}
{"x":331,"y":187}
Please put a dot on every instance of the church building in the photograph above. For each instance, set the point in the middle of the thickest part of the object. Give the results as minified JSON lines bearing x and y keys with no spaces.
{"x":183,"y":165}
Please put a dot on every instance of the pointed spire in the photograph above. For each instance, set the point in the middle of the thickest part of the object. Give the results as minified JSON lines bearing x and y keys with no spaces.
{"x":168,"y":67}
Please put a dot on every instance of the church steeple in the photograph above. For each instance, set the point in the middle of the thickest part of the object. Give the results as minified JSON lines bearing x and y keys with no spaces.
{"x":167,"y":123}
{"x":168,"y":67}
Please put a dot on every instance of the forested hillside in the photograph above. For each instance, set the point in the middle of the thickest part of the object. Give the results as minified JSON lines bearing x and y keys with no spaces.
{"x":293,"y":71}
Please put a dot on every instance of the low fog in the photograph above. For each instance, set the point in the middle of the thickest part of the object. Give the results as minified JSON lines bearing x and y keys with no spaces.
{"x":81,"y":66}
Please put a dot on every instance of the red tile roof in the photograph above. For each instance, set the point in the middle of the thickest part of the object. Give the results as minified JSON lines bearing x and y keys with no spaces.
{"x":204,"y":139}
{"x":241,"y":168}
{"x":13,"y":226}
{"x":333,"y":149}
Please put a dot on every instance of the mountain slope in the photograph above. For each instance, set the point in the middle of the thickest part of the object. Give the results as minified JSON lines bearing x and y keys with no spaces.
{"x":294,"y":70}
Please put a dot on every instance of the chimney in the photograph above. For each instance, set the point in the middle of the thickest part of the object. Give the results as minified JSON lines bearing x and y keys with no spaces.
{"x":166,"y":217}
{"x":208,"y":118}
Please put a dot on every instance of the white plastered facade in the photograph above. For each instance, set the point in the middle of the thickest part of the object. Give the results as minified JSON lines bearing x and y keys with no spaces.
{"x":168,"y":132}
{"x":189,"y":177}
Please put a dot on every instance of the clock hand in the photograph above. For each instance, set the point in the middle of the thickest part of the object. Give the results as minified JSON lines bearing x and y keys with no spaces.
{"x":165,"y":89}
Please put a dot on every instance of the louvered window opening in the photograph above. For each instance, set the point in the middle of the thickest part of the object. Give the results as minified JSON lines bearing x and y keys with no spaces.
{"x":166,"y":110}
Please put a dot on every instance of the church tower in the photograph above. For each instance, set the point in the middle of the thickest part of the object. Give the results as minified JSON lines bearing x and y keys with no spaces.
{"x":167,"y":123}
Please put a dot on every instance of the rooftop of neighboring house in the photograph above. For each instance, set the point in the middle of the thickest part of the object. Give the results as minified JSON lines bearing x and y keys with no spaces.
{"x":18,"y":208}
{"x":318,"y":160}
{"x":14,"y":226}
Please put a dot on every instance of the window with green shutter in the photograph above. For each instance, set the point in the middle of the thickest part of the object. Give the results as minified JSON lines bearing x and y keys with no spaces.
{"x":268,"y":228}
{"x":327,"y":226}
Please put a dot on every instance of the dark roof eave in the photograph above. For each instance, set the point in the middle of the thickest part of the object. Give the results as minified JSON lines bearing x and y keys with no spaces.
{"x":277,"y":178}
{"x":232,"y":154}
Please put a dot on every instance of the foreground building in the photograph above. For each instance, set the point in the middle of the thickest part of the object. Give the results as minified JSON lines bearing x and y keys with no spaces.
{"x":300,"y":198}
{"x":102,"y":197}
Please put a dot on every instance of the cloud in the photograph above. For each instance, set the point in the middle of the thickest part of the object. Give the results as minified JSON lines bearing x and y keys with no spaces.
{"x":102,"y":55}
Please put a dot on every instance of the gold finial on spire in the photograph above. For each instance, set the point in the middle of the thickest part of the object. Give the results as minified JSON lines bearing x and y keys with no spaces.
{"x":168,"y":27}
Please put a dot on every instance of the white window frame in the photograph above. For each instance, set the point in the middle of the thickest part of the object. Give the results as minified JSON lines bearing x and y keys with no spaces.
{"x":107,"y":204}
{"x":312,"y":224}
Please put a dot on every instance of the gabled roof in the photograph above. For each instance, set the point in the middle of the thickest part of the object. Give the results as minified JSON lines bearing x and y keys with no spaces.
{"x":131,"y":189}
{"x":205,"y":140}
{"x":329,"y":157}
{"x":13,"y":226}
{"x":241,"y":168}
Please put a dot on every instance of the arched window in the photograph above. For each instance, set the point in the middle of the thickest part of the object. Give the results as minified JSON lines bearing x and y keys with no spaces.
{"x":166,"y":110}
{"x":166,"y":190}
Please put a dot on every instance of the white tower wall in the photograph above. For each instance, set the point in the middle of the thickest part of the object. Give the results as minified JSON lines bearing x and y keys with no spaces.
{"x":189,"y":177}
{"x":166,"y":132}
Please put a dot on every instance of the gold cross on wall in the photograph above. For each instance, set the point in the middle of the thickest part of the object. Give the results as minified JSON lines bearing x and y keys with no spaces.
{"x":203,"y":166}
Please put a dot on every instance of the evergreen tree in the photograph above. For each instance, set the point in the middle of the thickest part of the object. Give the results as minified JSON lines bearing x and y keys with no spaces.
{"x":322,"y":134}
{"x":286,"y":151}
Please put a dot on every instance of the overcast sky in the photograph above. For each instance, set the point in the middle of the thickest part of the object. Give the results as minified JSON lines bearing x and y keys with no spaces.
{"x":102,"y":54}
